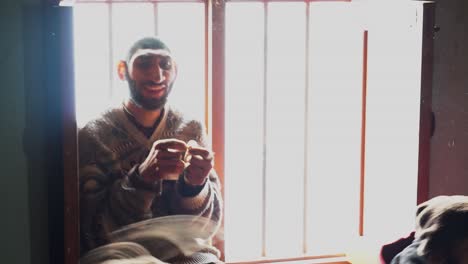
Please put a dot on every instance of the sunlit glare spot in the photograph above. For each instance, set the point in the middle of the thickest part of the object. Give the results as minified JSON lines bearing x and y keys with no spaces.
{"x":101,"y":42}
{"x":182,"y":27}
{"x":92,"y":69}
{"x":393,"y":120}
{"x":285,"y":129}
{"x":335,"y":108}
{"x":244,"y":130}
{"x":333,"y":112}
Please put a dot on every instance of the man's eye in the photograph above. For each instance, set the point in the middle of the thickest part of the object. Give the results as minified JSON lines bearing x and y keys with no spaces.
{"x":144,"y":64}
{"x":165,"y":64}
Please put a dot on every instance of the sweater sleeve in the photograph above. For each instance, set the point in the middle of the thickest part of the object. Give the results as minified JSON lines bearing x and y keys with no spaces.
{"x":107,"y":198}
{"x":206,"y":202}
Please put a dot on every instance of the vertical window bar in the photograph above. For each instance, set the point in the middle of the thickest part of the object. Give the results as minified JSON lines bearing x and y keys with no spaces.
{"x":306,"y":126}
{"x":207,"y":65}
{"x":218,"y":86}
{"x":363,"y":134}
{"x":155,"y":17}
{"x":218,"y":77}
{"x":208,"y":103}
{"x":265,"y":87}
{"x":111,"y":50}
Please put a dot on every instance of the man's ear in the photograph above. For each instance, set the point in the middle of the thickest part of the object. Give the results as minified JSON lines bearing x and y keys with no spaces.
{"x":175,"y":70}
{"x":121,"y":69}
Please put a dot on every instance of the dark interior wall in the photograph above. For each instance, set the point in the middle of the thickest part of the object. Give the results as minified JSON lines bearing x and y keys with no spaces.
{"x":449,"y":146}
{"x":31,"y":196}
{"x":14,"y":199}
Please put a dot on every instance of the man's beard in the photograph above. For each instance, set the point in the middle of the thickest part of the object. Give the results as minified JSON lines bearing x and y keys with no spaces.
{"x":147,"y":103}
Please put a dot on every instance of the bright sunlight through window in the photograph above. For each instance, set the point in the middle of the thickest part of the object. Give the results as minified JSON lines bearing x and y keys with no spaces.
{"x":295,"y":96}
{"x":103,"y":33}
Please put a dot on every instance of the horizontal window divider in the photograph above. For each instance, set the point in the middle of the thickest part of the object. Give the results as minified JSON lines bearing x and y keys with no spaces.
{"x":282,"y":1}
{"x":198,"y":1}
{"x":130,"y":1}
{"x":321,"y":259}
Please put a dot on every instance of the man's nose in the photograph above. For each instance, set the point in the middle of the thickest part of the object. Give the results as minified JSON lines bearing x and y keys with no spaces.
{"x":158,"y":74}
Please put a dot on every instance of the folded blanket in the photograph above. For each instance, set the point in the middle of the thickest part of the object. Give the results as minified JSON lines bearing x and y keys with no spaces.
{"x":389,"y":251}
{"x":441,"y":234}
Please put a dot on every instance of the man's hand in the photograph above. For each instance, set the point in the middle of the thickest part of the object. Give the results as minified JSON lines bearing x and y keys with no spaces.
{"x":165,"y":161}
{"x":200,"y":164}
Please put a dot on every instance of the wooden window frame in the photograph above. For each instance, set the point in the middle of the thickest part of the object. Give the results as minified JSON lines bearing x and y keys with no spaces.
{"x":214,"y":79}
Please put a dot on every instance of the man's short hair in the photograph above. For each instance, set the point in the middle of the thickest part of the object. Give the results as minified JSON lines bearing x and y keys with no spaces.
{"x":146,"y":43}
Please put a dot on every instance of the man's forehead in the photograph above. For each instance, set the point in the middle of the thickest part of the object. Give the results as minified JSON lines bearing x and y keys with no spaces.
{"x":149,"y":52}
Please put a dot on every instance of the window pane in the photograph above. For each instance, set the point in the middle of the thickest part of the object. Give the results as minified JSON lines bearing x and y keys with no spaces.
{"x":244,"y":130}
{"x":130,"y":21}
{"x":393,"y":119}
{"x":181,"y":25}
{"x":285,"y":129}
{"x":91,"y":60}
{"x":334,"y":127}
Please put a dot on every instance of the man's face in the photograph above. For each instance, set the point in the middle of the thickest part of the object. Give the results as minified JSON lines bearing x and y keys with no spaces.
{"x":151,"y":74}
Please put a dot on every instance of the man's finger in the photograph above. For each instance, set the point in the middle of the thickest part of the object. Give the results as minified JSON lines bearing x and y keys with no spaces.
{"x":172,"y":144}
{"x":205,"y":164}
{"x":164,"y":154}
{"x":196,"y":175}
{"x":169,"y":171}
{"x":195,"y":171}
{"x":193,"y":143}
{"x":170,"y":175}
{"x":204,"y":153}
{"x":167,"y":164}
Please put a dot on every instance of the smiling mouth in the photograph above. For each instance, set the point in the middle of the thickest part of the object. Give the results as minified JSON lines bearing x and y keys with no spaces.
{"x":154,"y":87}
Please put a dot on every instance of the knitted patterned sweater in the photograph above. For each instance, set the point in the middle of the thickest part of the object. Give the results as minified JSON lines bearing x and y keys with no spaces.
{"x":110,"y":150}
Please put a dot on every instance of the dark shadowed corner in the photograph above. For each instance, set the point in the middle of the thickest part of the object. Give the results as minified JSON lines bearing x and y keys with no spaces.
{"x":34,"y":134}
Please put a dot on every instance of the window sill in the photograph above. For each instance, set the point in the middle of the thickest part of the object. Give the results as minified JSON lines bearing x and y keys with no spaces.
{"x":330,"y":259}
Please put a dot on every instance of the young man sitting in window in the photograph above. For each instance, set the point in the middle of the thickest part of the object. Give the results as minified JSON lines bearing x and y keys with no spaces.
{"x":146,"y":160}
